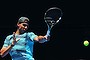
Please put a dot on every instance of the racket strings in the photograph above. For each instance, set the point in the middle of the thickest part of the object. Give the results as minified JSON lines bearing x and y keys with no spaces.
{"x":53,"y":16}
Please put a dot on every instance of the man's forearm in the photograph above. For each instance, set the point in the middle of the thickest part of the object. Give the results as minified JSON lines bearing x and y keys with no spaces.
{"x":5,"y":50}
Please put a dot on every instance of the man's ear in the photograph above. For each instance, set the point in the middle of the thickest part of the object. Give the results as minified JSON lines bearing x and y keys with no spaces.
{"x":18,"y":24}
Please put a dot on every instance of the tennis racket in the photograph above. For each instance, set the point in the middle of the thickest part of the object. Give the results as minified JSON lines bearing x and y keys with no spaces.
{"x":52,"y":16}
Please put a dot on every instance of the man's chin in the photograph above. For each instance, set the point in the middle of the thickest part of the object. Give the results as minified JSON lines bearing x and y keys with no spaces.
{"x":23,"y":31}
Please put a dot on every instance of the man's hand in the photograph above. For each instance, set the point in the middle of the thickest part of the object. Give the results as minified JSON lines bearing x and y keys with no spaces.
{"x":14,"y":39}
{"x":43,"y":39}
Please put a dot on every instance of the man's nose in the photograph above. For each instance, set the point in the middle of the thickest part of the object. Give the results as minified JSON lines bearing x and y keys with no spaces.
{"x":26,"y":27}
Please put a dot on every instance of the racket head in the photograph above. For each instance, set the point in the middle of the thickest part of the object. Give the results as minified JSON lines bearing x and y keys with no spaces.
{"x":52,"y":16}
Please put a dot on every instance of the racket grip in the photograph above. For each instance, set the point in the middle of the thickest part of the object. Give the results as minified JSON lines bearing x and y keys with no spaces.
{"x":48,"y":33}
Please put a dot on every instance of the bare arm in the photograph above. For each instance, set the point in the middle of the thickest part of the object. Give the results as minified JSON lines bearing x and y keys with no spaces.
{"x":5,"y":50}
{"x":42,"y":39}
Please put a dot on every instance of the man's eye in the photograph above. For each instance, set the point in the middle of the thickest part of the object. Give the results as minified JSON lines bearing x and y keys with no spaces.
{"x":25,"y":25}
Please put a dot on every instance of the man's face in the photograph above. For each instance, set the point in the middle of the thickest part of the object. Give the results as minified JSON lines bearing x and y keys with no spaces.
{"x":23,"y":26}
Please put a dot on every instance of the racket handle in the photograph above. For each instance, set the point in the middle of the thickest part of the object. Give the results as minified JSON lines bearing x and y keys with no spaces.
{"x":48,"y":33}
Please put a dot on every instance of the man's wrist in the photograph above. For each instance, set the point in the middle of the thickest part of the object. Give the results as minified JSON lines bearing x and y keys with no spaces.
{"x":12,"y":45}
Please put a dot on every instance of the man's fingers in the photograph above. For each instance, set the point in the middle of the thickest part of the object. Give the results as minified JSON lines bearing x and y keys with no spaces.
{"x":45,"y":37}
{"x":18,"y":39}
{"x":14,"y":36}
